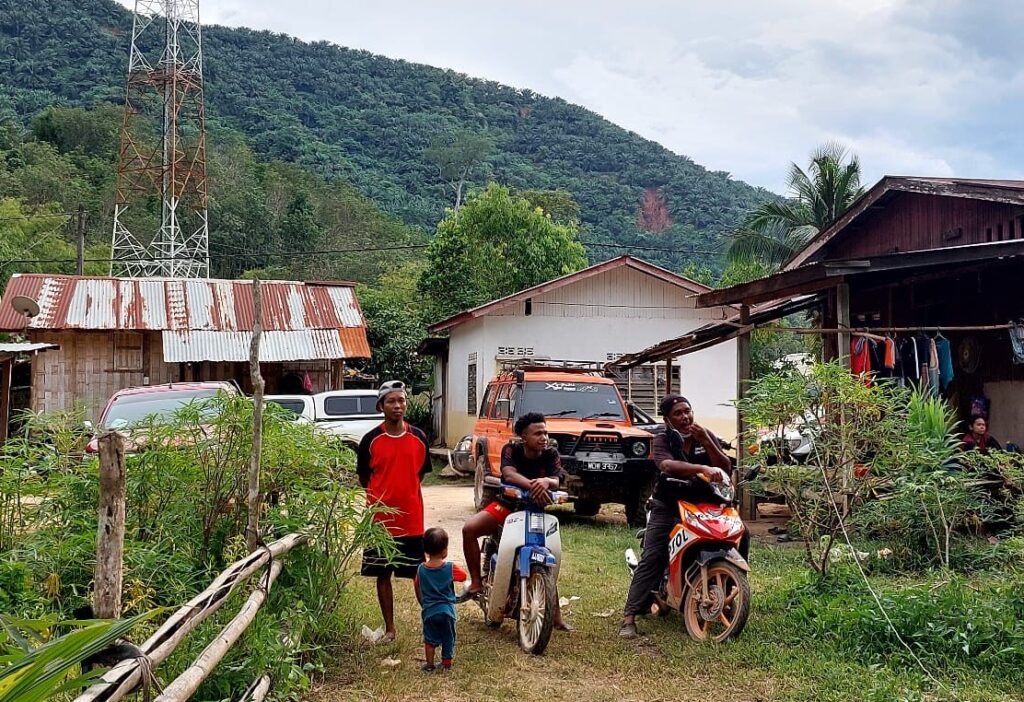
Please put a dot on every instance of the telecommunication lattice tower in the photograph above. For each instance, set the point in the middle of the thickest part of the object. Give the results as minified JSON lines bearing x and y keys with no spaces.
{"x":163,"y":147}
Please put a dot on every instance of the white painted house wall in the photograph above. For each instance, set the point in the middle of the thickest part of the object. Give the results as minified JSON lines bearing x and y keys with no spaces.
{"x":620,"y":311}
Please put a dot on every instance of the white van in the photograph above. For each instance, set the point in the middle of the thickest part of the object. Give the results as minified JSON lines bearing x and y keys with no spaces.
{"x":350,"y":414}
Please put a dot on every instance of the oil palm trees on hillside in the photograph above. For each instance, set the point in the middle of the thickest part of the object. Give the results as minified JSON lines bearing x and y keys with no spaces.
{"x":773,"y":231}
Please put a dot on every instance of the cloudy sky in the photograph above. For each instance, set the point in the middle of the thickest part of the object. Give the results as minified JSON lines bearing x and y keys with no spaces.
{"x":925,"y":87}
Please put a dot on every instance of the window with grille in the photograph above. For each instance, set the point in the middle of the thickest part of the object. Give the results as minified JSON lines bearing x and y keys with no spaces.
{"x":471,"y":388}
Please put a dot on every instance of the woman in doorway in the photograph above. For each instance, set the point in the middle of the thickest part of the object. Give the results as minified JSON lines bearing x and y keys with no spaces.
{"x":977,"y":437}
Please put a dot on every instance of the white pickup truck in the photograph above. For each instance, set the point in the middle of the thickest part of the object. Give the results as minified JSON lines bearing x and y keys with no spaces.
{"x":349,"y":414}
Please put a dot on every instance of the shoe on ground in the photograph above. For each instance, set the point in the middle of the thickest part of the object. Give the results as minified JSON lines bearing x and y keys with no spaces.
{"x":428,"y":668}
{"x":466,"y":595}
{"x":566,"y":627}
{"x":628,"y":631}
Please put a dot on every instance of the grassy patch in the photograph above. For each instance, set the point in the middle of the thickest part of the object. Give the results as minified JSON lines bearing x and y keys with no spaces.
{"x":781,"y":655}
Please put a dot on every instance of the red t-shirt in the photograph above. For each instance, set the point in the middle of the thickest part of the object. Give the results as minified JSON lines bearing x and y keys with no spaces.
{"x":391,"y":468}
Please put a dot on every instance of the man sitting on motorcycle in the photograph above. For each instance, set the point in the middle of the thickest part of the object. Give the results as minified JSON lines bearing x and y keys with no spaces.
{"x":529,"y":464}
{"x":684,"y":450}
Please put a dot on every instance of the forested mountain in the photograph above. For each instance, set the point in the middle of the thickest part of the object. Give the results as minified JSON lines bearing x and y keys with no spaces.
{"x":349,"y":116}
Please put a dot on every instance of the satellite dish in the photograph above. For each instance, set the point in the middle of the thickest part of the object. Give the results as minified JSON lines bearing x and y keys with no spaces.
{"x":25,"y":305}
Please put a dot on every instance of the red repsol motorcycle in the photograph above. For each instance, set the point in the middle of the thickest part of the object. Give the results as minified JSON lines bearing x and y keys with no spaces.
{"x":706,"y":580}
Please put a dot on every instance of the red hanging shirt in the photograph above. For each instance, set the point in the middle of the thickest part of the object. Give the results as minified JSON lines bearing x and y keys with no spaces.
{"x":860,"y":355}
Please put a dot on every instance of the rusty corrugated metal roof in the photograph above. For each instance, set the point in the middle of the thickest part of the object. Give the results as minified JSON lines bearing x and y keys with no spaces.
{"x":275,"y":346}
{"x":162,"y":304}
{"x":201,"y":319}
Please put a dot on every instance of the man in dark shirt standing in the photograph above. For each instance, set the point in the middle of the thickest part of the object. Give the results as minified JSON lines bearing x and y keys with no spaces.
{"x":684,"y":450}
{"x":391,"y":462}
{"x":529,"y":464}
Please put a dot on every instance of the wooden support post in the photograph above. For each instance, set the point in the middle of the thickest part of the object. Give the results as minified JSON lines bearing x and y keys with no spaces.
{"x":257,"y":692}
{"x":843,"y":321}
{"x":6,"y":369}
{"x":185,"y":685}
{"x":252,"y":529}
{"x":110,"y":534}
{"x":124,"y":678}
{"x":747,"y":506}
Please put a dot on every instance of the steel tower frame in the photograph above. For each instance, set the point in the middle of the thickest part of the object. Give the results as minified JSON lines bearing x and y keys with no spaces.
{"x":164,"y":90}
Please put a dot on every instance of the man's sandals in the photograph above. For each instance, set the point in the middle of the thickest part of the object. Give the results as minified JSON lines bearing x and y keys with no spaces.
{"x":467,"y":595}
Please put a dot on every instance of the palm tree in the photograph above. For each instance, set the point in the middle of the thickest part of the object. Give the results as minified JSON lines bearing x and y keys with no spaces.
{"x":773,"y":231}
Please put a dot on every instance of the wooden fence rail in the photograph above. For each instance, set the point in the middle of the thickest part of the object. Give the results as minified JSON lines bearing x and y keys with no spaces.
{"x":126,"y":676}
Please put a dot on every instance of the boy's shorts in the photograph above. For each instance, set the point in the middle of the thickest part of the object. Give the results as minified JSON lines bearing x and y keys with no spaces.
{"x":439,"y":630}
{"x":499,"y":511}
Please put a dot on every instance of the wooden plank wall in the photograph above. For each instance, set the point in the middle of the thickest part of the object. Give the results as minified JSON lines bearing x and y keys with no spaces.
{"x":83,"y":370}
{"x":915,"y":222}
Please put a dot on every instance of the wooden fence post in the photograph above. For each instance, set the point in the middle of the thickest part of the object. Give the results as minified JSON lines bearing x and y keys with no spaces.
{"x":110,"y":534}
{"x":252,"y":529}
{"x":748,"y":505}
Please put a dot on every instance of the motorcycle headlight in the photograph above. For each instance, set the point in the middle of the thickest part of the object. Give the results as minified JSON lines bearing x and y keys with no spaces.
{"x":639,"y":449}
{"x":794,"y":444}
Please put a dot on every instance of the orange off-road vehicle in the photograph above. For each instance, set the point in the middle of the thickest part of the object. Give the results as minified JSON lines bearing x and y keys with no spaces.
{"x":606,"y":457}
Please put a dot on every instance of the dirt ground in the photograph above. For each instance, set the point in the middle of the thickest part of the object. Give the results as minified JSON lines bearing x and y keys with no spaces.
{"x":448,"y":507}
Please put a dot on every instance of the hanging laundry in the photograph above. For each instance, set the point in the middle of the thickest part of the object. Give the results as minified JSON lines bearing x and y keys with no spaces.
{"x":924,"y":351}
{"x":945,"y":354}
{"x":307,"y":383}
{"x":889,"y":359}
{"x":933,"y":367}
{"x":860,"y":355}
{"x":1017,"y":343}
{"x":878,"y":358}
{"x":908,"y":360}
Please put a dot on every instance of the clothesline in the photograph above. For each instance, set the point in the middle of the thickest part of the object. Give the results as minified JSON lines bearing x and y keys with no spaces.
{"x":868,"y":331}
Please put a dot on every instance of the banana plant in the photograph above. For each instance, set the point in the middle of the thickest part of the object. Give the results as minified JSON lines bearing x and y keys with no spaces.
{"x":33,"y":669}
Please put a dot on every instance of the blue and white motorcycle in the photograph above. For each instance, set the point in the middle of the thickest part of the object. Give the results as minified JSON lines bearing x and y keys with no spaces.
{"x":520,"y":569}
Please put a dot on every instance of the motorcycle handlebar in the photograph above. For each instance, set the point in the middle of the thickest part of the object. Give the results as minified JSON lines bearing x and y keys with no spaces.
{"x":557,"y":497}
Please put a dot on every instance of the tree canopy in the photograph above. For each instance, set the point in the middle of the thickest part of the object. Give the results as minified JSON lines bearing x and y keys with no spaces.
{"x":775,"y":230}
{"x":497,"y":244}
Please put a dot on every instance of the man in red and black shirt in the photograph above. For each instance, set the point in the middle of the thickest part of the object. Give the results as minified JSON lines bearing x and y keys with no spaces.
{"x":391,"y":462}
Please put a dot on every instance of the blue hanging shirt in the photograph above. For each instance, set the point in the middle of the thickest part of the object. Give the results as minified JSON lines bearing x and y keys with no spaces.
{"x":945,"y":354}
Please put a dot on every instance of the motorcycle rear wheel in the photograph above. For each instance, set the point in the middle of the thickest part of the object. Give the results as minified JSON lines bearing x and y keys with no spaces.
{"x":730,"y":595}
{"x":537,"y":609}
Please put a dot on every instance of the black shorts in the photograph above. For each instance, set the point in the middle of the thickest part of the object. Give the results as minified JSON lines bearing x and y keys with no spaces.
{"x":408,"y":559}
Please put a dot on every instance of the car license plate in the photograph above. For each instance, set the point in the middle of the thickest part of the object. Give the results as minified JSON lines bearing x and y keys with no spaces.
{"x":602,"y":466}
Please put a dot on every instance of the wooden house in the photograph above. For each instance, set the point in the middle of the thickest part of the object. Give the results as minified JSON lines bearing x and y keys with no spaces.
{"x":114,"y":333}
{"x":911,"y":256}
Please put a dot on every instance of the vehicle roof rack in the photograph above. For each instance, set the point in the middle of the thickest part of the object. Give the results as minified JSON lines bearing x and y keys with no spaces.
{"x":508,"y":365}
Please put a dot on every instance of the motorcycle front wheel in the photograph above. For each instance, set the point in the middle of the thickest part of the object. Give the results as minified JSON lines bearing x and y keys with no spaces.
{"x":725,"y":613}
{"x":537,"y":609}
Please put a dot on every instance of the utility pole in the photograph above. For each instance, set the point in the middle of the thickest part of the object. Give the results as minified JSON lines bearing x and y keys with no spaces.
{"x":80,"y":242}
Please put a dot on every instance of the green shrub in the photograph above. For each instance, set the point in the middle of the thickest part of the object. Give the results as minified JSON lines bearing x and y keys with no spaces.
{"x":950,"y":621}
{"x":186,"y":516}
